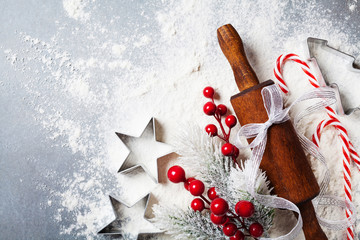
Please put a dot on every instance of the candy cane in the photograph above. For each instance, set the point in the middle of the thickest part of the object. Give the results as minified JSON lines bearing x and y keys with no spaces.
{"x":306,"y":69}
{"x":346,"y":162}
{"x":348,"y":149}
{"x":304,"y":66}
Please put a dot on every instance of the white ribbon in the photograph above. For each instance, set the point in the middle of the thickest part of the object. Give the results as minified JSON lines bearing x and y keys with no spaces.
{"x":274,"y":107}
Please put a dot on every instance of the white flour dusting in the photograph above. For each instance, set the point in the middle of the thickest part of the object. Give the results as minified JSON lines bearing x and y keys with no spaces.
{"x":96,"y":76}
{"x":352,"y":4}
{"x":76,"y":9}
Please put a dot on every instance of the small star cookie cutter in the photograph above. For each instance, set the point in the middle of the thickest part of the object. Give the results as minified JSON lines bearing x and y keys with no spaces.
{"x":129,"y":194}
{"x":125,"y":225}
{"x":144,"y":151}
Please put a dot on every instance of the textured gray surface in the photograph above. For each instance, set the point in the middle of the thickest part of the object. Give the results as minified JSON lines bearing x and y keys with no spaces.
{"x":33,"y":163}
{"x":33,"y":166}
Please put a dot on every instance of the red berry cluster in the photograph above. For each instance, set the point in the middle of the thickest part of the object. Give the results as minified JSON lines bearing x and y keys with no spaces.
{"x":220,"y":215}
{"x":218,"y":112}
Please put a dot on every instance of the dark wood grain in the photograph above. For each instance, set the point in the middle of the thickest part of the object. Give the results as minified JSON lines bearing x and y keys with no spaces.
{"x":311,"y":227}
{"x":284,"y":160}
{"x":230,"y":43}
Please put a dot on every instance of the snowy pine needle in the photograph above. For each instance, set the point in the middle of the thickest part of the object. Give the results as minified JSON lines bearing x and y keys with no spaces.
{"x":202,"y":154}
{"x":186,"y":224}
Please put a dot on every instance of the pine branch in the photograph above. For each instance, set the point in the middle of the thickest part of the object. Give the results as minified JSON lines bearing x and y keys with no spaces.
{"x":202,"y":154}
{"x":237,"y":187}
{"x":186,"y":224}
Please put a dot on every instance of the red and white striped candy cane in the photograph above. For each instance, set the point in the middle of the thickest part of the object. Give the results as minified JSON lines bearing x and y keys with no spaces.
{"x":347,"y":147}
{"x":304,"y":66}
{"x":346,"y":161}
{"x":306,"y":69}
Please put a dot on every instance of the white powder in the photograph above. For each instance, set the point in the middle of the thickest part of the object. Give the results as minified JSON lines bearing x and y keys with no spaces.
{"x":118,"y":49}
{"x":115,"y":80}
{"x":144,"y":40}
{"x":76,"y":9}
{"x":352,"y":4}
{"x":11,"y":57}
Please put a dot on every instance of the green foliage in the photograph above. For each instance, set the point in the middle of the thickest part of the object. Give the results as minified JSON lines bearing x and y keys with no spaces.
{"x":203,"y":155}
{"x":186,"y":224}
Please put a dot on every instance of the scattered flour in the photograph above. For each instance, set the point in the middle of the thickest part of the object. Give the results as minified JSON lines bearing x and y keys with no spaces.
{"x":76,"y":9}
{"x":118,"y":50}
{"x":144,"y":40}
{"x":352,"y":5}
{"x":84,"y":91}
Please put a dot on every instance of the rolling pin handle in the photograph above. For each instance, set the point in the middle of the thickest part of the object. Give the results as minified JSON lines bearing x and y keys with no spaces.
{"x":311,"y":227}
{"x":233,"y":49}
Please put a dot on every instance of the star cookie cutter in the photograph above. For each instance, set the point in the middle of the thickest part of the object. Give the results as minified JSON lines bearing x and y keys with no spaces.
{"x":135,"y":176}
{"x":144,"y":151}
{"x":130,"y":221}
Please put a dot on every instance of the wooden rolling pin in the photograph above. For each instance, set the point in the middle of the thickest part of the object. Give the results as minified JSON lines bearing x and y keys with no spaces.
{"x":284,"y":160}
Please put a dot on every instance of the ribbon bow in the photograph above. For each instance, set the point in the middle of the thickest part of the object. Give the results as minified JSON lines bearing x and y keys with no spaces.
{"x":274,"y":107}
{"x":273,"y":104}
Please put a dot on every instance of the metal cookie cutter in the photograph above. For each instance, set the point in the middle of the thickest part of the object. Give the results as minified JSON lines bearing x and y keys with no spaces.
{"x":325,"y":57}
{"x":130,"y":221}
{"x":127,"y":193}
{"x":145,"y":151}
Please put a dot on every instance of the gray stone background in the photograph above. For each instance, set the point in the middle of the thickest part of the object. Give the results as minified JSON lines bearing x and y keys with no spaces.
{"x":36,"y":156}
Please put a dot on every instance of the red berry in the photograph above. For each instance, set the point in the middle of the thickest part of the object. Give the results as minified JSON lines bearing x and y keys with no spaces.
{"x":197,"y":204}
{"x":256,"y":230}
{"x":244,"y":208}
{"x":227,"y":149}
{"x":221,"y":109}
{"x":219,"y":206}
{"x":176,"y":174}
{"x":236,"y":152}
{"x":227,"y":220}
{"x":230,"y":229}
{"x":208,"y":92}
{"x":230,"y":121}
{"x":209,"y":108}
{"x":196,"y":187}
{"x":239,"y":235}
{"x":218,"y":219}
{"x":187,"y":182}
{"x":211,"y":130}
{"x":212,"y":193}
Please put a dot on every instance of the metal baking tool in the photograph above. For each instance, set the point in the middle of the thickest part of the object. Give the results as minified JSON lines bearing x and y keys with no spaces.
{"x":148,"y":210}
{"x":130,"y":221}
{"x":144,"y":151}
{"x":317,"y":72}
{"x":338,"y":69}
{"x":135,"y":176}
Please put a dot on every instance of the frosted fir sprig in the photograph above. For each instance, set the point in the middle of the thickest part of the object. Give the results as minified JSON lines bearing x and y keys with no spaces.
{"x":237,"y":187}
{"x":226,"y":208}
{"x":202,"y":154}
{"x":186,"y":224}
